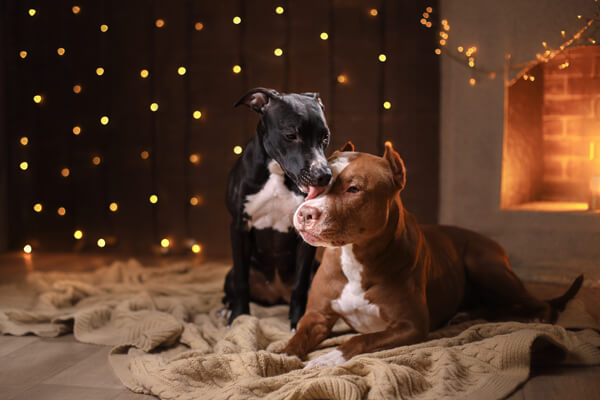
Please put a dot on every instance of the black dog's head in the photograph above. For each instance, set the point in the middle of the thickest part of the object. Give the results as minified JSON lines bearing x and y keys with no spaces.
{"x":293,"y":131}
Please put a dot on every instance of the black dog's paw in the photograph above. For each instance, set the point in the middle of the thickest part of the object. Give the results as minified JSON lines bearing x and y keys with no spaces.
{"x":237,"y":310}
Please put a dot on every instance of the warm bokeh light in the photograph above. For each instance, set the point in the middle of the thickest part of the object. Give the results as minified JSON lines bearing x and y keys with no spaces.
{"x":27,"y":249}
{"x":99,"y":71}
{"x":237,"y":149}
{"x":165,"y":242}
{"x":101,"y":242}
{"x":78,"y":234}
{"x":324,"y":36}
{"x":278,"y":52}
{"x":61,"y":211}
{"x":77,"y":89}
{"x":387,"y":105}
{"x":154,"y":107}
{"x":237,"y":69}
{"x":60,"y":51}
{"x":144,"y":155}
{"x":382,"y":57}
{"x":144,"y":73}
{"x":279,"y":10}
{"x":437,"y":51}
{"x":22,"y":54}
{"x":76,"y":130}
{"x":76,"y":9}
{"x":113,"y":206}
{"x":197,"y":114}
{"x":195,"y":158}
{"x":181,"y":71}
{"x":96,"y":160}
{"x":153,"y":199}
{"x":24,"y":141}
{"x":341,"y":78}
{"x":37,"y":207}
{"x":37,"y":99}
{"x":103,"y":28}
{"x":159,"y":23}
{"x":196,"y":248}
{"x":237,"y":20}
{"x":196,"y":200}
{"x":32,"y":12}
{"x":104,"y":120}
{"x":472,"y":81}
{"x":198,"y":26}
{"x":24,"y":165}
{"x":65,"y":172}
{"x":373,"y":12}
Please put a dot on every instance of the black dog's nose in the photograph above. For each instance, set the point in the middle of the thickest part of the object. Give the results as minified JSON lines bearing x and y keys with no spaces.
{"x":324,"y":177}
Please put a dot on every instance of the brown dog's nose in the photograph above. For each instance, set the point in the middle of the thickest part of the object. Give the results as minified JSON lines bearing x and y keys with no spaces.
{"x":308,"y":215}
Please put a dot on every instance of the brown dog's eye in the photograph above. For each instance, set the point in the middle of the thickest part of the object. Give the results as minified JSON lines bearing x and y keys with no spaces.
{"x":352,"y":189}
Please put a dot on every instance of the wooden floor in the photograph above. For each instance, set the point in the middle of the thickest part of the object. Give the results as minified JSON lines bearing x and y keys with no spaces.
{"x":60,"y":368}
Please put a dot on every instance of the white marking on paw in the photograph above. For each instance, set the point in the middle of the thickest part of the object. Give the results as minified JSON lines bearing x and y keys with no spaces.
{"x":352,"y":305}
{"x":274,"y":205}
{"x":334,"y":357}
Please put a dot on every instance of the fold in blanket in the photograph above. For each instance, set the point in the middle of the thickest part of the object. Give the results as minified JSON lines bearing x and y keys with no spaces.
{"x":171,"y":342}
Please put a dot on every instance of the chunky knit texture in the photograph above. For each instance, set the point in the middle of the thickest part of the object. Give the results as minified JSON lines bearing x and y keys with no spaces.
{"x":170,"y":341}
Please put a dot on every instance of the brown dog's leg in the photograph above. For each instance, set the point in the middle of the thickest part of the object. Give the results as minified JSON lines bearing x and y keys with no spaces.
{"x":313,"y":328}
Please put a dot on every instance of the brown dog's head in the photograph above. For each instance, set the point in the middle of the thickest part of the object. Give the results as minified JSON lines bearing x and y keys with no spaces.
{"x":355,"y":206}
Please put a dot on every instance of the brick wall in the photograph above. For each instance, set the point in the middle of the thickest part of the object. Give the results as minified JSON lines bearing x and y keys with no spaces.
{"x":571,"y":122}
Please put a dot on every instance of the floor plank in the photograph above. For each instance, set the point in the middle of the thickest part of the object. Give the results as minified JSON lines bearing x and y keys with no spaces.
{"x":8,"y":344}
{"x":59,"y":392}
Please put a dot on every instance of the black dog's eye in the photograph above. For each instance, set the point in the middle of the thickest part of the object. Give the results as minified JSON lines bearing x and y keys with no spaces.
{"x":291,"y":136}
{"x":352,"y":189}
{"x":325,"y":139}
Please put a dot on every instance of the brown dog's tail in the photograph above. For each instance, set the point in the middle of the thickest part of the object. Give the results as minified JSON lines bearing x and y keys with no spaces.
{"x":559,"y":303}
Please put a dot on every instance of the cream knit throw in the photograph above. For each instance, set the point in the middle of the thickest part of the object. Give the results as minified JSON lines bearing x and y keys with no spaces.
{"x":170,"y":341}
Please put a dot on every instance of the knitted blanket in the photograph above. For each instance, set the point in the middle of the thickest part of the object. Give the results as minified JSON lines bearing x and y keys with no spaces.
{"x":170,"y":341}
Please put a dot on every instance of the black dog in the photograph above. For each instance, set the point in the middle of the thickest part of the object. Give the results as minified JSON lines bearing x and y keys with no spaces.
{"x":281,"y":163}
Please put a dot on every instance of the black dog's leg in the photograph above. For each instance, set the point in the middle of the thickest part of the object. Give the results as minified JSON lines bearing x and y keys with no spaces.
{"x":239,"y":300}
{"x":305,"y":256}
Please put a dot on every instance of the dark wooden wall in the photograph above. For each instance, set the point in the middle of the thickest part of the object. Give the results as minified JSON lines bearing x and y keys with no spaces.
{"x":409,"y":79}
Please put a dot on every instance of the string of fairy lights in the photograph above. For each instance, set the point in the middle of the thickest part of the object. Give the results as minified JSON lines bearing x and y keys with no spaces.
{"x":467,"y":55}
{"x":146,"y":72}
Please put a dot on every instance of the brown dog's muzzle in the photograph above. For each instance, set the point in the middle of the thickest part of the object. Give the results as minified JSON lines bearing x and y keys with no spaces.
{"x":307,"y":217}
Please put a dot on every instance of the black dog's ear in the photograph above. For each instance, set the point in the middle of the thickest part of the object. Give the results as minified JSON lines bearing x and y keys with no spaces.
{"x":315,"y":96}
{"x":349,"y":146}
{"x":257,"y":99}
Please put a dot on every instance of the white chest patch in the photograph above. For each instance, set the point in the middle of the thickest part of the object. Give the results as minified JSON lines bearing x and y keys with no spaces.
{"x":274,"y":205}
{"x":352,"y":305}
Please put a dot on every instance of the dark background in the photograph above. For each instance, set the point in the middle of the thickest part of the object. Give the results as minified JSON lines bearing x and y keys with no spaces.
{"x":409,"y":79}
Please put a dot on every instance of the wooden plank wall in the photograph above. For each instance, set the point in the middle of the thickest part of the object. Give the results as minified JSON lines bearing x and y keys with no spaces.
{"x":409,"y":79}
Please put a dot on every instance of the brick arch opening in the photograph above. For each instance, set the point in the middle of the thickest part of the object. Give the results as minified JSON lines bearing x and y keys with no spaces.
{"x":551,"y":149}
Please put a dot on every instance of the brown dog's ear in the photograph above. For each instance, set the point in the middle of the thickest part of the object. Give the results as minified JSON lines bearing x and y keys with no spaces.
{"x":349,"y":146}
{"x":396,"y":164}
{"x":257,"y":99}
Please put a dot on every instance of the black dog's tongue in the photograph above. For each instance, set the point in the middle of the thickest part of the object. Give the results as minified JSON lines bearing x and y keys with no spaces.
{"x":314,"y":191}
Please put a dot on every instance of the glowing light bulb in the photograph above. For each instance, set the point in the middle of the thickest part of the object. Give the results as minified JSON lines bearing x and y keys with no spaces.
{"x":237,"y":69}
{"x":324,"y":36}
{"x":101,"y":242}
{"x":197,"y":114}
{"x":154,"y":107}
{"x":24,"y":141}
{"x":278,"y":52}
{"x":96,"y":160}
{"x":144,"y":155}
{"x":22,"y":54}
{"x":104,"y":120}
{"x":31,"y":12}
{"x":144,"y":73}
{"x":196,"y":248}
{"x":437,"y":51}
{"x":37,"y":99}
{"x":237,"y":149}
{"x":165,"y":243}
{"x":279,"y":10}
{"x":60,"y":51}
{"x":61,"y":211}
{"x":27,"y":249}
{"x":24,"y":165}
{"x":153,"y":199}
{"x":159,"y":23}
{"x":196,"y":200}
{"x":460,"y":49}
{"x":113,"y":206}
{"x":65,"y":172}
{"x":237,"y":20}
{"x":181,"y":71}
{"x":99,"y":71}
{"x":387,"y":105}
{"x":195,"y":158}
{"x":78,"y":234}
{"x":76,"y":9}
{"x":76,"y":130}
{"x":77,"y":89}
{"x":429,"y":9}
{"x":373,"y":12}
{"x":198,"y":26}
{"x":341,"y":78}
{"x":382,"y":57}
{"x":103,"y":28}
{"x":37,"y":207}
{"x":472,"y":81}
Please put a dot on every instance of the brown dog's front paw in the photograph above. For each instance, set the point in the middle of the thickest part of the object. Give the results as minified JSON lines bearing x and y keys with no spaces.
{"x":292,"y":350}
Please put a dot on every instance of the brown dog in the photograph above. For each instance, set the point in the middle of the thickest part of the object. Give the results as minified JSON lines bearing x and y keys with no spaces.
{"x":390,"y":278}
